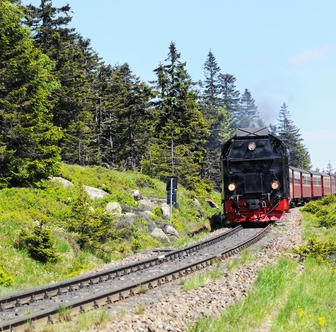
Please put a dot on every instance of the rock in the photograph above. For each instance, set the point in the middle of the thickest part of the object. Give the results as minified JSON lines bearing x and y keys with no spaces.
{"x":64,"y":182}
{"x":148,"y":203}
{"x":95,"y":193}
{"x":170,"y":230}
{"x":136,"y":195}
{"x":159,"y":234}
{"x":211,"y":203}
{"x":130,"y":215}
{"x":124,"y":222}
{"x":165,"y":210}
{"x":113,"y":208}
{"x":196,"y":202}
{"x":148,"y":213}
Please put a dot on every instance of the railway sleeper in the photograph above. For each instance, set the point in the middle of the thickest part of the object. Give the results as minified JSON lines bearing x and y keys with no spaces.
{"x":113,"y":298}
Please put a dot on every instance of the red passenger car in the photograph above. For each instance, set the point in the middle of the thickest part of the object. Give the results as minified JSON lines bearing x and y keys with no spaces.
{"x":326,"y":184}
{"x":333,"y":183}
{"x":300,"y":185}
{"x":316,"y":184}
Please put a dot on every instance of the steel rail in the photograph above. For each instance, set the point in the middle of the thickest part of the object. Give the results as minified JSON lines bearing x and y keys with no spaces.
{"x":109,"y":297}
{"x":73,"y":284}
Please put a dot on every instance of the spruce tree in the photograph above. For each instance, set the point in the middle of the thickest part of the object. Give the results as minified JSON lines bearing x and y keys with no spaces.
{"x":211,"y":91}
{"x":329,"y":169}
{"x":289,"y":134}
{"x":75,"y":67}
{"x":248,"y":115}
{"x":217,"y":116}
{"x":180,"y":130}
{"x":28,"y":139}
{"x":122,"y":117}
{"x":230,"y":97}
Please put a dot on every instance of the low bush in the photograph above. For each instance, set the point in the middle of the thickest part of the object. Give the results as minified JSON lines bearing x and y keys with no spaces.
{"x":318,"y":249}
{"x":329,"y":199}
{"x":311,"y":207}
{"x":6,"y":279}
{"x":39,"y":243}
{"x":327,"y":221}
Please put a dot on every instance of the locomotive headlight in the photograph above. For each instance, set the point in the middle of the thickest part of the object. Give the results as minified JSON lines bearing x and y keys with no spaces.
{"x":275,"y":185}
{"x":231,"y":186}
{"x":251,"y":146}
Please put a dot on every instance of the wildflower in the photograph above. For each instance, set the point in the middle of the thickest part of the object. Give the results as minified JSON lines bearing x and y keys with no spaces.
{"x":301,"y":313}
{"x":321,"y":321}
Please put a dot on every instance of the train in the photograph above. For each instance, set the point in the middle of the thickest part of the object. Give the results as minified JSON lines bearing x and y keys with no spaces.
{"x":258,"y":184}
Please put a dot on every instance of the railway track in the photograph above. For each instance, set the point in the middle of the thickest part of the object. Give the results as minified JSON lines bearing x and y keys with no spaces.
{"x":45,"y":304}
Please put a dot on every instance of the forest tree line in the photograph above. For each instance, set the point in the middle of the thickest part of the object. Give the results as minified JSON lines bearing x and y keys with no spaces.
{"x":59,"y":101}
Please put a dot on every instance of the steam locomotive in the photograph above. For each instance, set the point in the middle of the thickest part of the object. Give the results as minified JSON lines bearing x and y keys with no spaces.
{"x":258,"y":185}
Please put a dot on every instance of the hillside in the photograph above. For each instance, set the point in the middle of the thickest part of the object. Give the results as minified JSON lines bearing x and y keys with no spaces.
{"x":56,"y":230}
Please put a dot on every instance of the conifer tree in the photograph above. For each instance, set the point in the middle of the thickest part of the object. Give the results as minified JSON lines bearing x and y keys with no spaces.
{"x":218,"y":118}
{"x":122,"y":117}
{"x":230,"y":97}
{"x":289,"y":134}
{"x":180,"y":130}
{"x":75,"y":65}
{"x":330,"y":169}
{"x":211,"y":91}
{"x":248,"y":115}
{"x":28,"y":139}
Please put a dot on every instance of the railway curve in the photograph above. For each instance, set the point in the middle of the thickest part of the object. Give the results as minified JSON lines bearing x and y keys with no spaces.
{"x":113,"y":285}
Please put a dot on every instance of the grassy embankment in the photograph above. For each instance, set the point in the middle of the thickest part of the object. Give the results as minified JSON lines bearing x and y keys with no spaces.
{"x":50,"y":233}
{"x":283,"y":299}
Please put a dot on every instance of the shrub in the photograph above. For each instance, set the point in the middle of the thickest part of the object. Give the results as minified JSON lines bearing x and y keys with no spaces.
{"x":144,"y":182}
{"x":311,"y":207}
{"x":328,"y":221}
{"x":329,"y":199}
{"x":39,"y":243}
{"x":157,"y":211}
{"x":6,"y":279}
{"x":178,"y":225}
{"x":317,"y":249}
{"x":322,"y":212}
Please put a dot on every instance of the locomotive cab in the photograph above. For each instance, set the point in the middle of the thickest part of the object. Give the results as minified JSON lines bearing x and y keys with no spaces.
{"x":254,"y":175}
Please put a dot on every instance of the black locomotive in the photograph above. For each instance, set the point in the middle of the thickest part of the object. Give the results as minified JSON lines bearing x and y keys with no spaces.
{"x":255,"y":177}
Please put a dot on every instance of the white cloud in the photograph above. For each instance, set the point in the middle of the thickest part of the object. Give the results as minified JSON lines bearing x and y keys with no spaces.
{"x":308,"y":56}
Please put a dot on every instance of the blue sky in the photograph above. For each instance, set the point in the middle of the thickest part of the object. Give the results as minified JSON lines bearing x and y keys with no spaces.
{"x":280,"y":50}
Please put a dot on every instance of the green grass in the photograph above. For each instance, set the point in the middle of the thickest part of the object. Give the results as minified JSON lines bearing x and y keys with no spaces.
{"x":201,"y":279}
{"x":311,"y":303}
{"x":51,"y":204}
{"x":244,"y":257}
{"x":140,"y":309}
{"x":286,"y":297}
{"x":248,"y":314}
{"x":94,"y":320}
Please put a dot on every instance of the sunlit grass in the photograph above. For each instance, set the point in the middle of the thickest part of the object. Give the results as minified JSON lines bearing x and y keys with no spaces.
{"x":311,"y":304}
{"x":93,"y":320}
{"x":140,"y":309}
{"x":283,"y":299}
{"x":248,"y":314}
{"x":244,"y":257}
{"x":201,"y":279}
